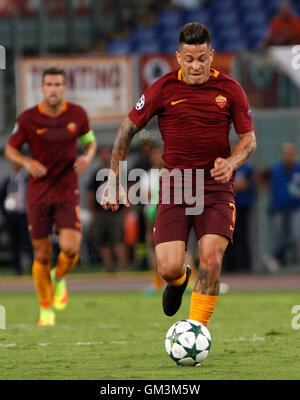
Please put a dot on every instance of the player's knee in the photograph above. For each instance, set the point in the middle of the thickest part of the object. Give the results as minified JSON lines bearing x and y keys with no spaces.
{"x":211,"y":262}
{"x":169,"y":270}
{"x":70,"y":249}
{"x":42,"y":254}
{"x":70,"y":243}
{"x":42,"y":257}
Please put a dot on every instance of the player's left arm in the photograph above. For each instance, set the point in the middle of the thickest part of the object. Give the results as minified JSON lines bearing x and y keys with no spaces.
{"x":89,"y":144}
{"x":243,"y":122}
{"x":224,"y":167}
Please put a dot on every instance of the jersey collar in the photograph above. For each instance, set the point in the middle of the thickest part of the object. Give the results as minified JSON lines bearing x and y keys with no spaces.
{"x":213,"y":72}
{"x":42,"y":111}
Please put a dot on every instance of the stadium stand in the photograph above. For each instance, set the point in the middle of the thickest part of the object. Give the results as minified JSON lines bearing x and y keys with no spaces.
{"x":152,"y":24}
{"x":235,"y":25}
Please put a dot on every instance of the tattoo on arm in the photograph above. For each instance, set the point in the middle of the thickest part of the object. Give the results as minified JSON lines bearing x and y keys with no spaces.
{"x":122,"y":143}
{"x":249,"y":150}
{"x":244,"y":149}
{"x":249,"y":144}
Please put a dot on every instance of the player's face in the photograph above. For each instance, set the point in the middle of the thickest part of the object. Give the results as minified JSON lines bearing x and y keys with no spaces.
{"x":195,"y":61}
{"x":53,"y":88}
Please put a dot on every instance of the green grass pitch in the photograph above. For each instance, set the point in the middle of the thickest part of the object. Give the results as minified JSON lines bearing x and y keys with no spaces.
{"x":115,"y":336}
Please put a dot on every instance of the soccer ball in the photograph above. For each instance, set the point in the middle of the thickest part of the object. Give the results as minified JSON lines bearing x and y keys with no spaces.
{"x":188,"y":342}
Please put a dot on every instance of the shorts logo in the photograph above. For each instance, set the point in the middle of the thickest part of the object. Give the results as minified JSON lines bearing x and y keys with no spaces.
{"x":140,"y":104}
{"x":232,"y":206}
{"x":221,"y":101}
{"x":41,"y":131}
{"x":71,"y":127}
{"x":249,"y":112}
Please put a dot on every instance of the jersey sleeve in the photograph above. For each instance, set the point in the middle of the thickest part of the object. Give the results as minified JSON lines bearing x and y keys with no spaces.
{"x":85,"y":124}
{"x":18,"y":135}
{"x":148,"y":105}
{"x":241,"y":111}
{"x":86,"y":134}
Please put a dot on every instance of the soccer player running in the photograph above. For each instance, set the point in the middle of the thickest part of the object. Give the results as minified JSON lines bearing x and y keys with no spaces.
{"x":51,"y":129}
{"x":195,"y":106}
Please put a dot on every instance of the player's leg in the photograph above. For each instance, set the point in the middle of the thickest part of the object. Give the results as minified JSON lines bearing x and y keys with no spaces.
{"x":214,"y":228}
{"x":41,"y":276}
{"x":39,"y":226}
{"x":67,"y":221}
{"x":206,"y":291}
{"x":170,"y":236}
{"x":69,"y":243}
{"x":170,"y":258}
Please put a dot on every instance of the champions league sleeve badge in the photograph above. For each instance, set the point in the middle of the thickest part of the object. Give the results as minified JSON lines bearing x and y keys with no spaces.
{"x":140,"y":104}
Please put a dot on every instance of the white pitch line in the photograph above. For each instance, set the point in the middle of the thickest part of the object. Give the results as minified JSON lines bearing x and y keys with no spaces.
{"x":65,"y":344}
{"x":243,"y":339}
{"x":65,"y":326}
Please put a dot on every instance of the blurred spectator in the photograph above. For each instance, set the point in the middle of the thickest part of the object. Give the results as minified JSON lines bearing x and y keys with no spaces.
{"x":82,"y":6}
{"x":238,"y":255}
{"x":150,"y":191}
{"x":131,"y":235}
{"x":141,"y":160}
{"x":190,"y":4}
{"x":284,"y":28}
{"x":107,"y":227}
{"x":4,"y":8}
{"x":283,"y":182}
{"x":13,"y":207}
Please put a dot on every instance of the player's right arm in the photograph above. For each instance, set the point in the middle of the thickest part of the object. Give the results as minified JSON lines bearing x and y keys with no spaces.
{"x":13,"y":154}
{"x":35,"y":168}
{"x":148,"y":105}
{"x":121,"y":147}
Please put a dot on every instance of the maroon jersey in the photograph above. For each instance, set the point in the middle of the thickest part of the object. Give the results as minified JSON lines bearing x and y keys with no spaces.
{"x":53,"y":142}
{"x":195,"y":121}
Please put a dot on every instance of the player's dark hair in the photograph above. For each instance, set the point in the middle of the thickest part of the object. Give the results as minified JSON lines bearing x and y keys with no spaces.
{"x":54,"y":71}
{"x":194,"y":33}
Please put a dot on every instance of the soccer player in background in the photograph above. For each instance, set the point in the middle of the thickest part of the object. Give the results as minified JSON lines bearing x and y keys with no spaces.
{"x":51,"y":130}
{"x":195,"y":106}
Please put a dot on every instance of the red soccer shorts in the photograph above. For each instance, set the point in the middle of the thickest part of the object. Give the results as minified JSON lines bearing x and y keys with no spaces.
{"x":45,"y":219}
{"x":172,"y":223}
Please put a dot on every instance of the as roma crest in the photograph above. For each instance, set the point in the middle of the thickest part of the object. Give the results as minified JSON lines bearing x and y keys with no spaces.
{"x":221,"y":101}
{"x":71,"y":127}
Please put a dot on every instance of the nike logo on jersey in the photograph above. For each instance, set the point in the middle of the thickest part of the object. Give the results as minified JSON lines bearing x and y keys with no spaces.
{"x":41,"y":131}
{"x":177,"y":101}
